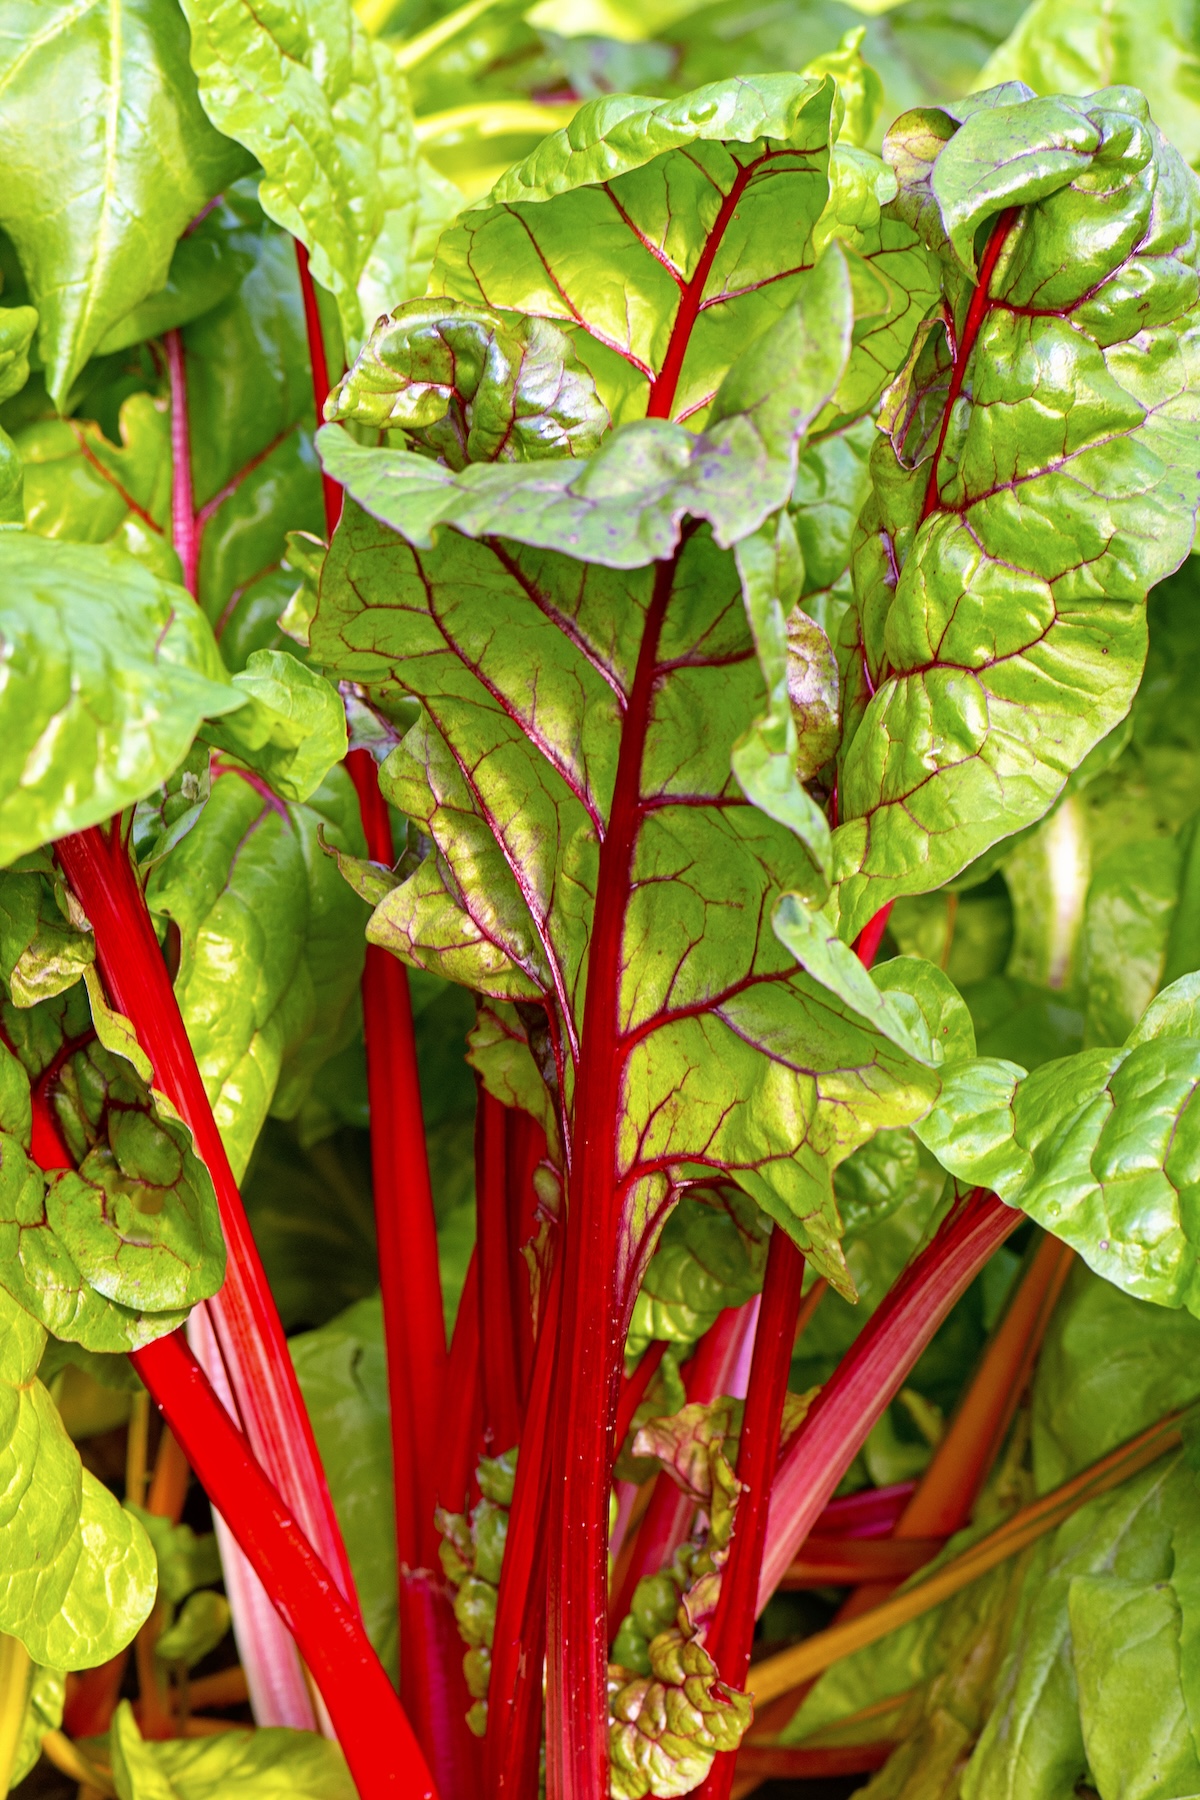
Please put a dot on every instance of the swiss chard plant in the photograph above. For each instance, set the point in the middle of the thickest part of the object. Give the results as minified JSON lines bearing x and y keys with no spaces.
{"x":599,"y":915}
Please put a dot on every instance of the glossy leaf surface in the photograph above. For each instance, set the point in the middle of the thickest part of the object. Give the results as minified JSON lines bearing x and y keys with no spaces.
{"x":1096,"y":1147}
{"x":306,"y":92}
{"x":77,"y":1573}
{"x":506,"y":649}
{"x":1030,"y":489}
{"x":263,"y":1765}
{"x":133,"y":159}
{"x":112,"y":671}
{"x":250,"y":887}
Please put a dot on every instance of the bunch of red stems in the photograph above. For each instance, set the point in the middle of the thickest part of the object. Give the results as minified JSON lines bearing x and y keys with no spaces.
{"x":502,"y":1382}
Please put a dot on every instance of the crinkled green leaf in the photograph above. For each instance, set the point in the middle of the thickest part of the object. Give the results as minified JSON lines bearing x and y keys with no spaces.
{"x":1075,"y":46}
{"x":269,"y":1764}
{"x":137,"y":1218}
{"x":1098,"y":1148}
{"x":525,"y":664}
{"x":308,"y":94}
{"x":108,"y":154}
{"x":343,"y":1375}
{"x":109,"y":1255}
{"x":42,"y":951}
{"x":711,"y":1255}
{"x":79,"y":486}
{"x":1135,"y":1721}
{"x":1032,"y":1747}
{"x":626,"y":504}
{"x":77,"y":1574}
{"x":472,"y":385}
{"x":250,"y":888}
{"x":997,"y":639}
{"x":624,"y":228}
{"x":292,"y":729}
{"x":110,"y":671}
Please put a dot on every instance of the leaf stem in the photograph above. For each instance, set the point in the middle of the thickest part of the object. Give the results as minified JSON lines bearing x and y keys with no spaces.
{"x":779,"y":1674}
{"x":498,"y":1345}
{"x":513,"y":1743}
{"x":184,"y":531}
{"x":590,"y":1348}
{"x":16,"y":1676}
{"x":385,"y":1758}
{"x":873,"y":1371}
{"x":318,"y":362}
{"x":244,"y":1313}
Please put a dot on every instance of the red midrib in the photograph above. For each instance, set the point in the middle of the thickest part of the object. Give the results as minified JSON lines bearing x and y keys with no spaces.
{"x":981,"y":304}
{"x":666,"y":382}
{"x":577,"y":1732}
{"x":135,"y":975}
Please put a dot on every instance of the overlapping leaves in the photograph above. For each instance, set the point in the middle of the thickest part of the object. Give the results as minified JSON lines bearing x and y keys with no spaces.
{"x":109,"y":155}
{"x":112,"y":1252}
{"x":250,"y":887}
{"x":729,"y":1055}
{"x":1027,"y":493}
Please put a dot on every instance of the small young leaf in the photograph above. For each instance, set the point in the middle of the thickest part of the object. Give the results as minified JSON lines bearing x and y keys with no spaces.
{"x":626,"y":504}
{"x":472,"y":385}
{"x":292,"y":729}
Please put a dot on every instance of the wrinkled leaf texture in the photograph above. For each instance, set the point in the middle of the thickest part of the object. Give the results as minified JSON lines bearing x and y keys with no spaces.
{"x":999,"y":627}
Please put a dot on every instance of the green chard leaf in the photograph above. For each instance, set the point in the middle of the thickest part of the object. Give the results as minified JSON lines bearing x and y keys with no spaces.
{"x":1028,"y":488}
{"x":112,"y":1253}
{"x":646,"y":229}
{"x":109,"y":155}
{"x":712,"y":1254}
{"x":77,"y":1573}
{"x":727,"y":1050}
{"x":626,"y":503}
{"x":1074,"y":47}
{"x":292,"y":729}
{"x":325,"y":113}
{"x":251,"y":888}
{"x":109,"y":672}
{"x":1045,"y":1726}
{"x":1097,"y":1147}
{"x":270,"y":1764}
{"x":473,"y":385}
